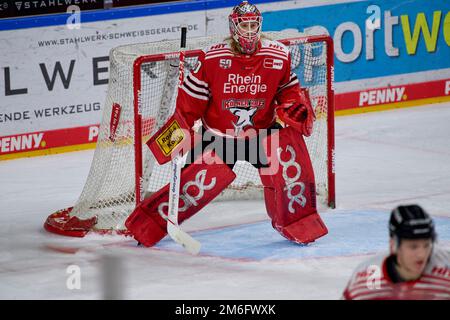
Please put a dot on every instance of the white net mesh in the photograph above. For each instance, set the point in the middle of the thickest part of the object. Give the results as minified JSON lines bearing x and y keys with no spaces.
{"x":110,"y":190}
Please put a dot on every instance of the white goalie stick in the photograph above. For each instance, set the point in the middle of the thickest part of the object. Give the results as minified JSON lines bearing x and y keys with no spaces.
{"x":173,"y":229}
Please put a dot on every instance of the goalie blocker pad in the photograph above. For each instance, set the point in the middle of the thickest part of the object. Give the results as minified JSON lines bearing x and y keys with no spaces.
{"x":173,"y":138}
{"x":289,"y":188}
{"x":200,"y":183}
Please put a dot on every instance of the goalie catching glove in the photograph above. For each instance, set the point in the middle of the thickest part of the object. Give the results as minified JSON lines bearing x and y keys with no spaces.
{"x":299,"y":116}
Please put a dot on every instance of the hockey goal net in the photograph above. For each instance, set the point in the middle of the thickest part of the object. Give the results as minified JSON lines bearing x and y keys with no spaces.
{"x":141,"y":96}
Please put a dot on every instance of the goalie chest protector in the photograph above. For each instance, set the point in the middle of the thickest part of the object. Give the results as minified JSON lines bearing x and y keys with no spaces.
{"x":233,"y":93}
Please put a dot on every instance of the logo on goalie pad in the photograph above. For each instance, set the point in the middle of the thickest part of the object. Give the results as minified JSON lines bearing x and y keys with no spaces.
{"x":187,"y":197}
{"x":292,"y":182}
{"x":170,"y":138}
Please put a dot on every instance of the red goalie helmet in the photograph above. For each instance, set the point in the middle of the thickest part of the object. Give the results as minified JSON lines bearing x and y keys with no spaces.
{"x":245,"y":26}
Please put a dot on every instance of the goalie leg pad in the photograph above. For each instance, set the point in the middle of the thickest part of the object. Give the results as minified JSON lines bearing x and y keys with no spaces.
{"x":200,"y":183}
{"x":289,"y":188}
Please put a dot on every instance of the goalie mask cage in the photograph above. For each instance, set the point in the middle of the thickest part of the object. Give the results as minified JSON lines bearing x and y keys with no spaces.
{"x":141,"y":96}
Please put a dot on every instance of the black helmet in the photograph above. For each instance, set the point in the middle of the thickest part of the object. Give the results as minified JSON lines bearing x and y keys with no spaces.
{"x":411,"y":222}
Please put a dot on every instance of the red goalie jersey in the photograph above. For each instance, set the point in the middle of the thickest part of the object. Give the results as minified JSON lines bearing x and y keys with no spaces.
{"x":233,"y":93}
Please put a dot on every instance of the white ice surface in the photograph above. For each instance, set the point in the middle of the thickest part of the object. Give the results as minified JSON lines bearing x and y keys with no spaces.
{"x":382,"y":160}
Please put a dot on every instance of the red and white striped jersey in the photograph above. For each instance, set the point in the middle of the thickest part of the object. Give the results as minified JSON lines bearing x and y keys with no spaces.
{"x":232,"y":92}
{"x":370,"y":281}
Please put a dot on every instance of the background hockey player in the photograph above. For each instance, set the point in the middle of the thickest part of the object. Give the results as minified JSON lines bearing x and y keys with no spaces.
{"x":415,"y":268}
{"x":239,"y":89}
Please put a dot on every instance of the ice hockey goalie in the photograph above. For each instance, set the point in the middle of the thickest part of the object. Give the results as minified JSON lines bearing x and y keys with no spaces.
{"x":252,"y":108}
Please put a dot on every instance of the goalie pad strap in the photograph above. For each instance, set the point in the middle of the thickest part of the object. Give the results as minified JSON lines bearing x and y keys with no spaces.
{"x":200,"y":183}
{"x":289,"y":188}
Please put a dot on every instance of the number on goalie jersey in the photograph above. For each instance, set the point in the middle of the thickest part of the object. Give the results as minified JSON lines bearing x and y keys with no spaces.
{"x":238,"y":87}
